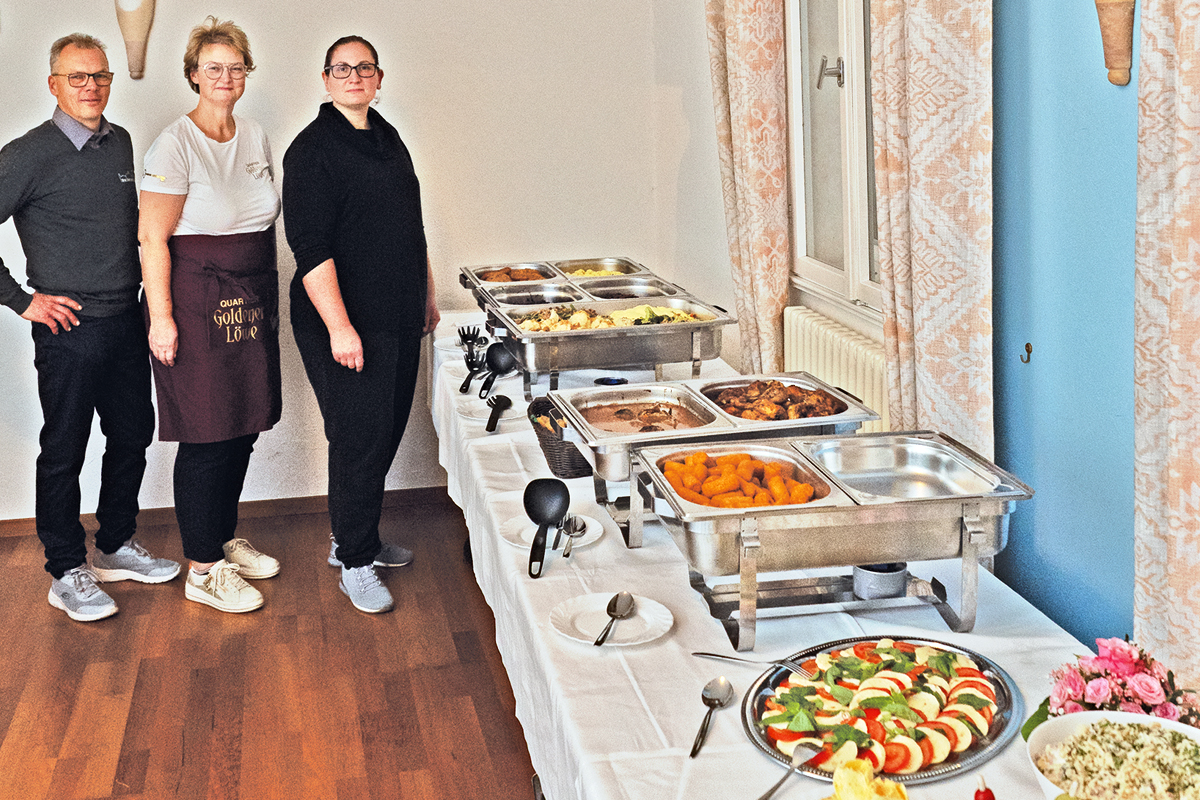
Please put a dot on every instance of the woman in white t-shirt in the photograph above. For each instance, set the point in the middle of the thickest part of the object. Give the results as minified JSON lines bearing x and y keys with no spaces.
{"x":207,"y":231}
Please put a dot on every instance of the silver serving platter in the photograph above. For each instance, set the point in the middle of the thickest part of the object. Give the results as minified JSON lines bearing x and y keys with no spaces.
{"x":627,"y":287}
{"x":622,"y":265}
{"x":824,"y":535}
{"x":632,"y":346}
{"x":1010,"y":712}
{"x":469,"y":276}
{"x":608,"y":452}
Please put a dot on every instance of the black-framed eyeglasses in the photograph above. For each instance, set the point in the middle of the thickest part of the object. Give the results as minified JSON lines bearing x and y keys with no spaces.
{"x":212,"y":70}
{"x":78,"y":80}
{"x":340,"y":71}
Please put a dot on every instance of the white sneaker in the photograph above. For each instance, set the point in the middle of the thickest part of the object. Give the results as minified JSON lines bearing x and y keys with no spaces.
{"x":223,"y":589}
{"x":252,"y":564}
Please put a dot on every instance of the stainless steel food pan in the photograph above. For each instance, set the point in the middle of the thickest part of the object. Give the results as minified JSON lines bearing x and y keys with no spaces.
{"x":627,"y":287}
{"x":633,"y":346}
{"x":530,"y":294}
{"x":609,"y":452}
{"x":469,"y":276}
{"x":888,"y":467}
{"x":621,"y":265}
{"x":823,"y":534}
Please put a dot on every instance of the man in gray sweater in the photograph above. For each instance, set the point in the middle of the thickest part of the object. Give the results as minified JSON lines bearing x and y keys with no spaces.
{"x":69,"y":186}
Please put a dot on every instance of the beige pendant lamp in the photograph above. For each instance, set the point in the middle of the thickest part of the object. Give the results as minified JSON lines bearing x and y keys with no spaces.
{"x":134,"y":18}
{"x":1116,"y":32}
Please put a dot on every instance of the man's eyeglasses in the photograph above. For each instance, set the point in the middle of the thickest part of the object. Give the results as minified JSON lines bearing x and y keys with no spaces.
{"x":78,"y":80}
{"x":340,"y":71}
{"x":212,"y":70}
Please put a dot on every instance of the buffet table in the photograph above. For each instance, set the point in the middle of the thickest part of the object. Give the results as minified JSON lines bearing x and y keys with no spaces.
{"x":618,"y":722}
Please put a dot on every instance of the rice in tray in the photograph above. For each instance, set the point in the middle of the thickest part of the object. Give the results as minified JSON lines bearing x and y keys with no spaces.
{"x":1118,"y":761}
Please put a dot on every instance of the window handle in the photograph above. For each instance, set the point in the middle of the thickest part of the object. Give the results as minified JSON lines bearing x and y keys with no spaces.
{"x":827,"y":71}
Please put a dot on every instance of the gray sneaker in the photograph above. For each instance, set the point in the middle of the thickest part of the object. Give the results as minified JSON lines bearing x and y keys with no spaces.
{"x":77,"y":594}
{"x":132,"y":562}
{"x":392,"y":555}
{"x":365,"y":590}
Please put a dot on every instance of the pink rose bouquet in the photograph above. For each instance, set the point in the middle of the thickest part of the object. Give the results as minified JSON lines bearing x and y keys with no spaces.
{"x":1120,"y":677}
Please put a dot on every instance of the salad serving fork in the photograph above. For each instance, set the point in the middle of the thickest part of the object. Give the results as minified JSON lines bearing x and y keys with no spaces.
{"x":794,"y":666}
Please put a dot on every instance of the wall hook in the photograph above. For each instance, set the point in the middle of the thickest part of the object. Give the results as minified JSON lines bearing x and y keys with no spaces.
{"x":1028,"y":353}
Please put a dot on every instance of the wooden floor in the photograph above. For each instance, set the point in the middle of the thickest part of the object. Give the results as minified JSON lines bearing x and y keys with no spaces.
{"x":304,"y":698}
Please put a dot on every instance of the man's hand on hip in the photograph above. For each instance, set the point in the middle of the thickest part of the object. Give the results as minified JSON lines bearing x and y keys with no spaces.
{"x":53,"y":310}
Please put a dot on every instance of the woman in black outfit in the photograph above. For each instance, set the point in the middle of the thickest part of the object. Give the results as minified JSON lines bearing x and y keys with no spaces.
{"x":361,"y":299}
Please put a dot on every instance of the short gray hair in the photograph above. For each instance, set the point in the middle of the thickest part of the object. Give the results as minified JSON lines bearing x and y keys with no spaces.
{"x":80,"y":40}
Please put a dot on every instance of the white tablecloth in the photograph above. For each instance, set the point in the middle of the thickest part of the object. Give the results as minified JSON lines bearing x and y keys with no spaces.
{"x":618,"y":722}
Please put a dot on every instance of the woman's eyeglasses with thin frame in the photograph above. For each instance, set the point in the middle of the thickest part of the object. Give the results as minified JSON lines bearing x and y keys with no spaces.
{"x":342,"y":71}
{"x":212,"y":70}
{"x":78,"y":80}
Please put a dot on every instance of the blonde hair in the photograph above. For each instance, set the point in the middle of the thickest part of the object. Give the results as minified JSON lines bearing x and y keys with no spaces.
{"x":80,"y":40}
{"x":214,"y":31}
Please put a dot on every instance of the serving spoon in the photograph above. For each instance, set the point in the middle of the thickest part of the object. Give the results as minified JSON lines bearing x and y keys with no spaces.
{"x":546,"y":502}
{"x":717,"y":694}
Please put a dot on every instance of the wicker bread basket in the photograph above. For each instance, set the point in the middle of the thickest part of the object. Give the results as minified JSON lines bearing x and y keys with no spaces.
{"x":563,"y":457}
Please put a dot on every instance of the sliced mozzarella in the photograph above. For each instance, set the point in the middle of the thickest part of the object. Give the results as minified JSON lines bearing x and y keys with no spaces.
{"x":923,"y":652}
{"x":840,"y":717}
{"x":925,"y":704}
{"x":974,"y":716}
{"x":899,"y":678}
{"x":787,"y":747}
{"x":941,"y":745}
{"x":847,"y":752}
{"x":971,"y":690}
{"x":823,"y":661}
{"x":878,"y":683}
{"x":914,"y":755}
{"x":863,"y":694}
{"x":960,"y":730}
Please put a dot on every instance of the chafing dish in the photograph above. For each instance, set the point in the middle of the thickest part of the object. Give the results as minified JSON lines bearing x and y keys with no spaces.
{"x":627,"y":287}
{"x":621,"y":265}
{"x":895,"y":497}
{"x":631,"y":346}
{"x":608,"y":452}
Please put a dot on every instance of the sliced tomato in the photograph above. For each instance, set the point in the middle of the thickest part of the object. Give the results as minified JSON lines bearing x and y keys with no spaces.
{"x":821,"y":757}
{"x":968,"y":672}
{"x":874,"y":658}
{"x":915,"y":671}
{"x":871,"y":713}
{"x":926,"y":751}
{"x":810,"y":666}
{"x":773,"y":704}
{"x":871,"y":756}
{"x":863,"y":649}
{"x":905,"y":647}
{"x":876,"y":730}
{"x":823,"y":692}
{"x":986,"y":713}
{"x":852,"y":686}
{"x":895,"y":757}
{"x":784,"y":735}
{"x":984,"y":687}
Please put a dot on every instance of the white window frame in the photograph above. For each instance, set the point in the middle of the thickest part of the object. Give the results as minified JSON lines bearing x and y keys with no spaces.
{"x":849,"y":292}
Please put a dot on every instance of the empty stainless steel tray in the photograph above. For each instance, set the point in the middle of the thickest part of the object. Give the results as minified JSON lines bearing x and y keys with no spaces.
{"x":627,"y":287}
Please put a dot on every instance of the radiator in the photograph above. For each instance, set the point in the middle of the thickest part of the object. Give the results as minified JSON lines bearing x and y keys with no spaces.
{"x":837,"y":355}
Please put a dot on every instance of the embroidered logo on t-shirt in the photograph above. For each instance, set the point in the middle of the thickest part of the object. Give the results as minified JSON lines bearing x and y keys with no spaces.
{"x":126,"y":177}
{"x":257,"y":169}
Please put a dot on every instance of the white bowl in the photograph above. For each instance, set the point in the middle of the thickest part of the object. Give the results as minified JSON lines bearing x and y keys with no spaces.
{"x":1058,"y":729}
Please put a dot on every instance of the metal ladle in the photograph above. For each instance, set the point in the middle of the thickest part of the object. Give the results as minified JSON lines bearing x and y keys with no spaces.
{"x":546,"y":502}
{"x":717,"y":694}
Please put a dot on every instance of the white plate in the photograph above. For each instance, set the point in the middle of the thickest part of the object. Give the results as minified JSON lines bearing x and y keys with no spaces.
{"x":449,"y":344}
{"x":582,"y":618}
{"x":479,"y":411}
{"x":520,"y":532}
{"x":1057,"y":729}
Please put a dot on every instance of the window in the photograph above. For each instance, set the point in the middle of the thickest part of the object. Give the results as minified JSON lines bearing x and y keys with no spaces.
{"x":833,"y":182}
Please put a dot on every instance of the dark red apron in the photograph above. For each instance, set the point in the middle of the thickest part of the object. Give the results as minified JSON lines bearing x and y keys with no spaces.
{"x":225,"y":382}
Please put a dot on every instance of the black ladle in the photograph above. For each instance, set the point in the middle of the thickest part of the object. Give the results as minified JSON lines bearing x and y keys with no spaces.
{"x":546,"y":503}
{"x":499,"y":362}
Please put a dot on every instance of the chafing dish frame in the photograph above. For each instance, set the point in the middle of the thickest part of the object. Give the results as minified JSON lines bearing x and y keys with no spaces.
{"x":967,"y":527}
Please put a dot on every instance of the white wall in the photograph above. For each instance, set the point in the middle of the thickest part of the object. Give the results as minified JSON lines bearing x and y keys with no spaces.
{"x":539,"y":128}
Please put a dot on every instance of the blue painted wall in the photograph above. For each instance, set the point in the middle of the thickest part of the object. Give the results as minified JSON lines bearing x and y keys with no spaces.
{"x":1065,"y":200}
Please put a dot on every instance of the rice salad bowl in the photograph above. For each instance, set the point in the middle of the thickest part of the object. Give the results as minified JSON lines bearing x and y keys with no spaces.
{"x":1115,"y":755}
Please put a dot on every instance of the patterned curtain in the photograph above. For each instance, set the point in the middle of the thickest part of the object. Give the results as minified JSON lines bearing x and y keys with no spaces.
{"x":931,"y":93}
{"x":746,"y":48}
{"x":1166,"y":601}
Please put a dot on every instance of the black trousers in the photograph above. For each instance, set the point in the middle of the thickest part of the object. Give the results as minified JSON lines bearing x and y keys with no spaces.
{"x":208,"y":485}
{"x":365,"y":415}
{"x":102,"y":367}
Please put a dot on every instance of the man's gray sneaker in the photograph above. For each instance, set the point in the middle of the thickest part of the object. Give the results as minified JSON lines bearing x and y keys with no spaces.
{"x":132,"y":563}
{"x":392,"y":555}
{"x":77,"y":594}
{"x":365,"y":590}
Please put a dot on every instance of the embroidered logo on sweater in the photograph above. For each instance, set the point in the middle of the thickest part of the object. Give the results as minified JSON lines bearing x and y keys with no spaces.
{"x":126,"y":177}
{"x":257,"y":169}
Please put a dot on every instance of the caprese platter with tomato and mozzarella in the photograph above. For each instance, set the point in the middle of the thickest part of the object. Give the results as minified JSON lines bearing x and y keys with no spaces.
{"x":917,"y":709}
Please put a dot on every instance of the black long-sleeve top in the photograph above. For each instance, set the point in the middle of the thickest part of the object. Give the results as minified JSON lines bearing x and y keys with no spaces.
{"x":353,"y":196}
